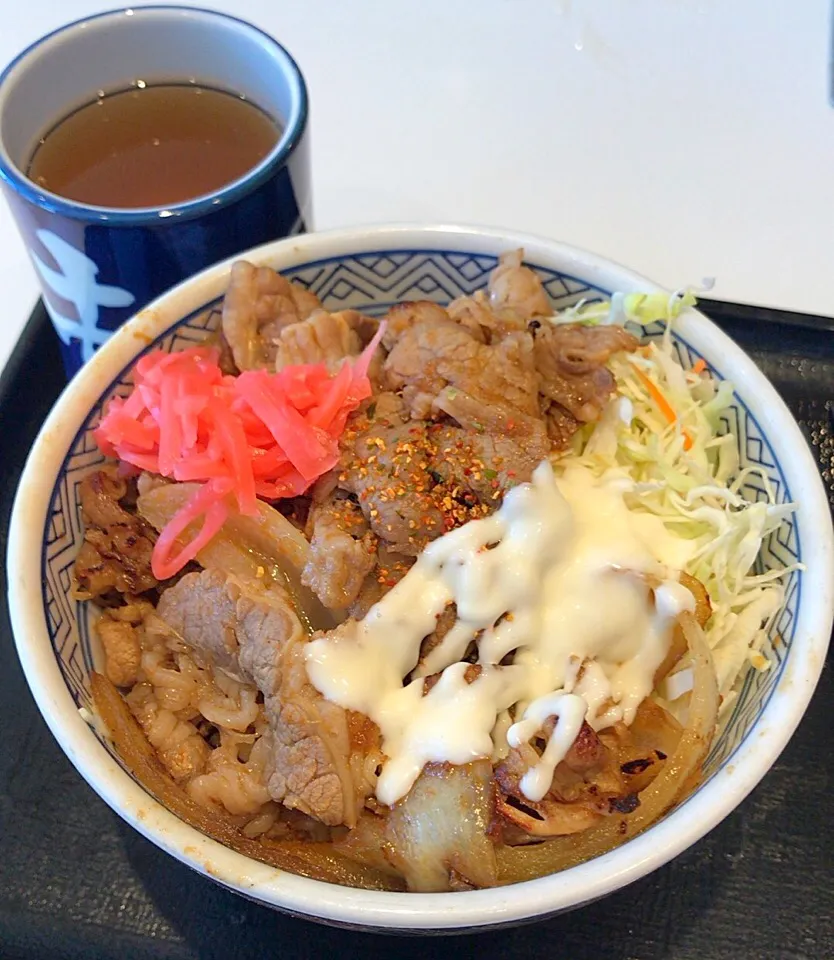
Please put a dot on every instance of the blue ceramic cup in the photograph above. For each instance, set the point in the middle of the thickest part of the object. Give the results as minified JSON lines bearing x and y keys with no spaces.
{"x":97,"y":266}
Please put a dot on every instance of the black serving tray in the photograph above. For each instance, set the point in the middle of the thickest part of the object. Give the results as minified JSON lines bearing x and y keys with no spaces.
{"x":76,"y":882}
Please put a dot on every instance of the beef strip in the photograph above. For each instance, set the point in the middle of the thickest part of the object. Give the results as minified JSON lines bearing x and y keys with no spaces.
{"x":363,"y":326}
{"x":561,"y":425}
{"x":342,"y":551}
{"x":258,"y":304}
{"x":422,"y":354}
{"x":445,"y":621}
{"x":116,"y":553}
{"x":391,"y":465}
{"x":516,"y":289}
{"x":490,"y":390}
{"x":474,"y":364}
{"x":118,"y":629}
{"x":435,"y":357}
{"x":475,"y":311}
{"x":385,"y":464}
{"x":389,"y":473}
{"x":322,"y":338}
{"x":410,"y":313}
{"x":416,"y":480}
{"x":483,"y":466}
{"x":182,"y":750}
{"x":252,"y":632}
{"x":584,"y":787}
{"x":389,"y":569}
{"x":575,"y":382}
{"x":121,"y":650}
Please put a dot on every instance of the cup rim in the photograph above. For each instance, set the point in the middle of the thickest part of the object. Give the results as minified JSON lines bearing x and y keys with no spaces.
{"x":217,"y":200}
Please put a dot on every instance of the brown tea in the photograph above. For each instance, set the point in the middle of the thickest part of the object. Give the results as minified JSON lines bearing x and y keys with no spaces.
{"x":153,"y":146}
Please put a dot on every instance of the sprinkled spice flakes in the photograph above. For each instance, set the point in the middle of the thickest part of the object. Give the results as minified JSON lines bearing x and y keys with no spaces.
{"x":416,"y":481}
{"x":391,"y":575}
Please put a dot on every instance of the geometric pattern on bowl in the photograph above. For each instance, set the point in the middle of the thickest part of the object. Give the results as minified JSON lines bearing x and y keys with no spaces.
{"x":372,"y":283}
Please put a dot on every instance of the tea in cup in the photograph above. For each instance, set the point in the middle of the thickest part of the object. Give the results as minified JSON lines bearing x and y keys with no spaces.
{"x":138,"y":147}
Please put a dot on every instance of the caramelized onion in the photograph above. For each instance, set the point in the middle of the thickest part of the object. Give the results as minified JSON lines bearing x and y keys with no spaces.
{"x":249,"y":547}
{"x":654,"y":729}
{"x":437,"y":836}
{"x":679,"y":774}
{"x":318,"y":861}
{"x":648,"y":742}
{"x":546,"y":820}
{"x":678,"y":646}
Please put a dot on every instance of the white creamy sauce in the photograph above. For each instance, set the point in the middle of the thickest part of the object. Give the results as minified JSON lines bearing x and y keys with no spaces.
{"x":569,"y":710}
{"x":557,"y":576}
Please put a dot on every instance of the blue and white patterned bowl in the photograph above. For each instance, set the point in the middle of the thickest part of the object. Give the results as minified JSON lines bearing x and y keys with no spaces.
{"x":371,"y":269}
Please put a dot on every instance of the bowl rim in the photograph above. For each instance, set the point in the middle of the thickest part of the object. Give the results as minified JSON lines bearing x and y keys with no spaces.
{"x":415,"y":911}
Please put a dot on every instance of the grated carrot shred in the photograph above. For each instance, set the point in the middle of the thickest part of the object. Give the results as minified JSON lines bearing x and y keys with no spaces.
{"x":259,"y":434}
{"x":699,"y":366}
{"x":662,"y":404}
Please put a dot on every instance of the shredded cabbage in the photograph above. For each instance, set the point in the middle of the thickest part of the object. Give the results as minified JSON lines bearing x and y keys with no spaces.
{"x":662,"y":437}
{"x":642,"y":308}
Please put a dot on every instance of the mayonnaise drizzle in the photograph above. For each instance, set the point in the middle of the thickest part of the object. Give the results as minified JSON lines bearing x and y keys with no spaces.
{"x":569,"y":710}
{"x":556,"y":576}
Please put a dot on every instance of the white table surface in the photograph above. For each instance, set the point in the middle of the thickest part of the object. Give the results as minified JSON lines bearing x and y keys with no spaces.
{"x":685,"y":138}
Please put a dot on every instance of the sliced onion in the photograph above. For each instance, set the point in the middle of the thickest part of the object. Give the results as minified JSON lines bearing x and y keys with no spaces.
{"x":439,"y":831}
{"x":678,"y":646}
{"x":679,"y":774}
{"x":316,"y":860}
{"x":654,"y":728}
{"x":247,"y":547}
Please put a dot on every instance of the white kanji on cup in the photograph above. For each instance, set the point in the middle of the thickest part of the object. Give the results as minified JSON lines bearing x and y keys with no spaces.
{"x":76,"y":283}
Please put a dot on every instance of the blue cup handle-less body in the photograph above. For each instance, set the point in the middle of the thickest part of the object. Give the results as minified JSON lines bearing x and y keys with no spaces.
{"x":98,"y":266}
